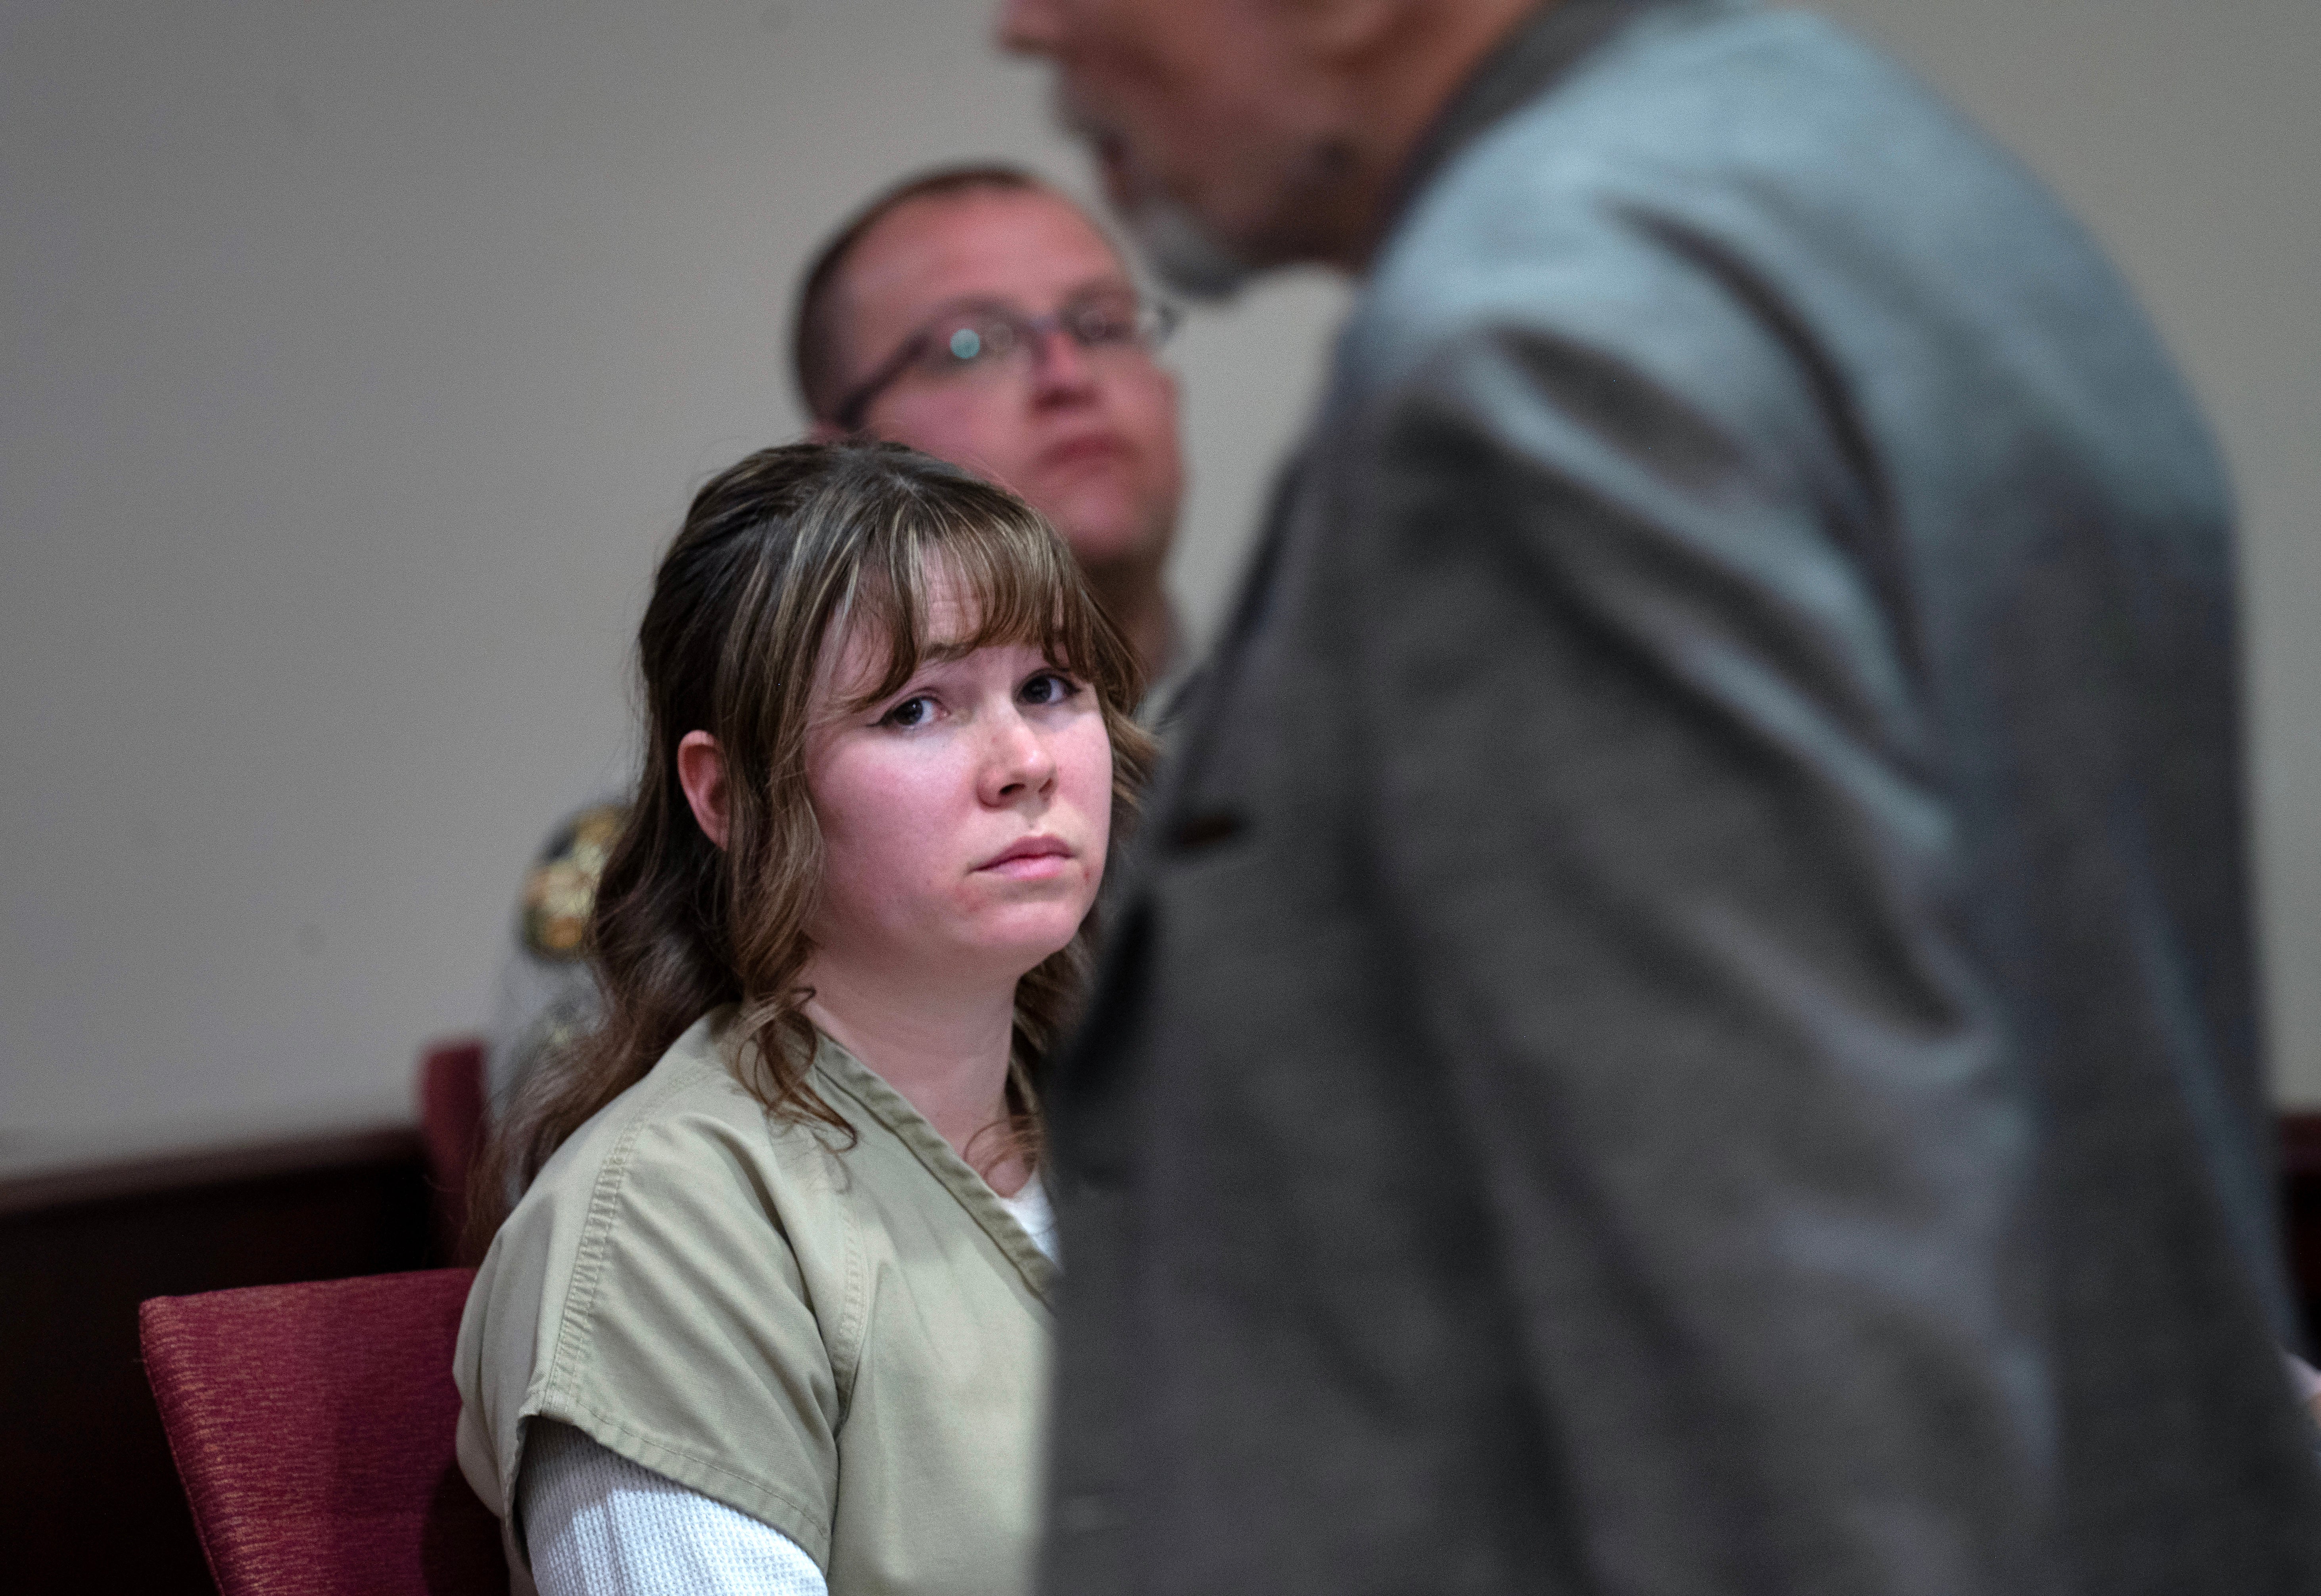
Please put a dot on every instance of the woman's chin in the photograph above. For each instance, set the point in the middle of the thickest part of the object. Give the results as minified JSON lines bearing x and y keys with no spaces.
{"x":1028,"y":941}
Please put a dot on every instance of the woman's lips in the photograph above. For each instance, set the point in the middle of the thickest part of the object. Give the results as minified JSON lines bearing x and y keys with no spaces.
{"x":1034,"y":859}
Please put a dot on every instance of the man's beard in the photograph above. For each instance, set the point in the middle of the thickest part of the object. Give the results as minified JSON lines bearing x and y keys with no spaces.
{"x":1181,"y":251}
{"x":1178,"y":246}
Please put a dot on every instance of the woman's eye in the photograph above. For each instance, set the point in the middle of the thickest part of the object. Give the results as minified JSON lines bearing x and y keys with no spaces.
{"x":1049,"y":688}
{"x":910,"y":712}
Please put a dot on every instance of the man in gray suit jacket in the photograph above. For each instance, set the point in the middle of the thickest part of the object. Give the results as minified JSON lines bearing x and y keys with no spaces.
{"x":1684,"y":1019}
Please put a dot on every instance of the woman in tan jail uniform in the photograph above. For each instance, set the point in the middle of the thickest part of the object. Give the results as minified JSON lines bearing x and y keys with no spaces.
{"x":771,"y":1312}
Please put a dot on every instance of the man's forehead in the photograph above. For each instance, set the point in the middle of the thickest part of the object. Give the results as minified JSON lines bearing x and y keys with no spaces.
{"x":1025,"y":246}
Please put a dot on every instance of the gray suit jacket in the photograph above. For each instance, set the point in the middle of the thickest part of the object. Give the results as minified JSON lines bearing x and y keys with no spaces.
{"x":1684,"y":1022}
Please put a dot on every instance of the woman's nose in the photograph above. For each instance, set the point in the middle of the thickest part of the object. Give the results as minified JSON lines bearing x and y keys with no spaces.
{"x":1017,"y":760}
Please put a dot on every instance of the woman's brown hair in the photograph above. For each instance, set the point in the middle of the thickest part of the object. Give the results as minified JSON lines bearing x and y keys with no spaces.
{"x":784,"y":550}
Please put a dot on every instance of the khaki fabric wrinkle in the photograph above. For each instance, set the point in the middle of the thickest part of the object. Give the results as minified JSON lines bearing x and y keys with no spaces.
{"x":875,"y":1097}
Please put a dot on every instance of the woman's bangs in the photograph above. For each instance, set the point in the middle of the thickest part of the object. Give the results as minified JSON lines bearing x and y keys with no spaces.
{"x":1007,"y":577}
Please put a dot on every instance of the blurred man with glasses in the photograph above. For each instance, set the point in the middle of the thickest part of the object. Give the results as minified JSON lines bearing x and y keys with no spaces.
{"x":974,"y":312}
{"x":978,"y":314}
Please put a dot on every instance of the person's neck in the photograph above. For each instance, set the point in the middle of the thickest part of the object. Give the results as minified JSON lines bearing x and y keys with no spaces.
{"x":1396,"y":89}
{"x":1138,"y":602}
{"x":944,"y":1048}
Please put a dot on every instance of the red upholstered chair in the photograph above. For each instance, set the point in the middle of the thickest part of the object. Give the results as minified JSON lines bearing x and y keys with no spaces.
{"x":313,"y":1427}
{"x":451,"y":1126}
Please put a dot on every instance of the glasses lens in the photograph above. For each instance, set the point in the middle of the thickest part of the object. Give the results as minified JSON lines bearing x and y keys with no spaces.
{"x":1119,"y":322}
{"x":976,"y":341}
{"x":1102,"y":324}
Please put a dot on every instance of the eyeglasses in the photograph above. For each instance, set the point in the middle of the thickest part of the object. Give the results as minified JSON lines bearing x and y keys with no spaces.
{"x":983,"y":339}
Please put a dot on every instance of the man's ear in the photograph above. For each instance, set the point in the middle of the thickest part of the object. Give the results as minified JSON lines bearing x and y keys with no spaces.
{"x":701,"y":772}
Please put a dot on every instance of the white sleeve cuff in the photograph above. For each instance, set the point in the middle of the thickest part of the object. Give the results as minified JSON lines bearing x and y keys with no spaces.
{"x":598,"y":1525}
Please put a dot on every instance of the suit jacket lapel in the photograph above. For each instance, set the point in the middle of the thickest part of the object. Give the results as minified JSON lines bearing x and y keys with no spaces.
{"x":1177,"y":814}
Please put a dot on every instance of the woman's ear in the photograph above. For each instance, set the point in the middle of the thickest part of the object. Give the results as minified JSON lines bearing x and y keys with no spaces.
{"x":701,"y":772}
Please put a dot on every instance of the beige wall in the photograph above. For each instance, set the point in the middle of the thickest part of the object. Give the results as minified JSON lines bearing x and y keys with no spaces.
{"x":356,"y":359}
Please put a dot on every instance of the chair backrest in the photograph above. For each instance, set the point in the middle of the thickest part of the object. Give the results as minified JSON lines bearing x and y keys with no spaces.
{"x":452,"y":1114}
{"x":313,"y":1425}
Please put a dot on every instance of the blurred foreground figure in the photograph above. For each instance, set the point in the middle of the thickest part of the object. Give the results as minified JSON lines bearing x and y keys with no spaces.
{"x":1685,"y":1022}
{"x":977,"y":314}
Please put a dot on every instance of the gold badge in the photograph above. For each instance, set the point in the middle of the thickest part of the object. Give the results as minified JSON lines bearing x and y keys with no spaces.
{"x":560,"y":891}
